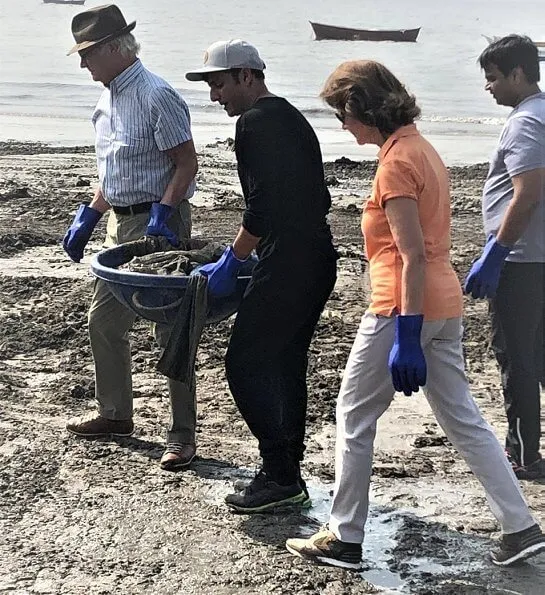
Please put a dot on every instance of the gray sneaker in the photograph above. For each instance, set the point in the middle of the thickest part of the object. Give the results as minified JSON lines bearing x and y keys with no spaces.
{"x":515,"y":547}
{"x":325,"y":548}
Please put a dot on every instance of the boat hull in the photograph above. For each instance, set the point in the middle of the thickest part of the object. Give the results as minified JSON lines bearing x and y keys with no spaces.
{"x":78,"y":2}
{"x":346,"y":34}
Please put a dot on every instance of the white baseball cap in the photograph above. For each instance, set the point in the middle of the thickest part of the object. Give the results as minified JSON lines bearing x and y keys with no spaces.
{"x":224,"y":55}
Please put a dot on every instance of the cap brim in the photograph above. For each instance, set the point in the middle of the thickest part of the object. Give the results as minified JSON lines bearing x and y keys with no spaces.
{"x":200,"y":74}
{"x":88,"y":44}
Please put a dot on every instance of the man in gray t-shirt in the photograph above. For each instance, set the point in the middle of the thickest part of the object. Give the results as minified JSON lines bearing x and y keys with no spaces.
{"x":521,"y":149}
{"x":511,"y":269}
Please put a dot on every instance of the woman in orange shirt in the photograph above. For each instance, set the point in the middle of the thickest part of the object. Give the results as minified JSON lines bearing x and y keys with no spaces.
{"x":411,"y":334}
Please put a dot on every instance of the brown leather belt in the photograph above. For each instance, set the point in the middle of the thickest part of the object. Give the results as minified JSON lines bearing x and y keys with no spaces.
{"x":141,"y":207}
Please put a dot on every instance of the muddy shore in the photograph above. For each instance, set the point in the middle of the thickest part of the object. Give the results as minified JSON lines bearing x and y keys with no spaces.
{"x":100,"y":517}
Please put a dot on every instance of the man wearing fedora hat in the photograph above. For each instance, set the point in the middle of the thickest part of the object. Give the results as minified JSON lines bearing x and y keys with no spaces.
{"x":146,"y":165}
{"x":287,"y":201}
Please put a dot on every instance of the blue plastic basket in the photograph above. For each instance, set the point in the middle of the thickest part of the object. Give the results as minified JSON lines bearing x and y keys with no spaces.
{"x":158,"y":297}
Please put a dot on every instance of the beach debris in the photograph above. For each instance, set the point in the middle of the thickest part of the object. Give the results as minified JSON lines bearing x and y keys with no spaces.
{"x":15,"y":192}
{"x":423,"y":441}
{"x":156,"y":256}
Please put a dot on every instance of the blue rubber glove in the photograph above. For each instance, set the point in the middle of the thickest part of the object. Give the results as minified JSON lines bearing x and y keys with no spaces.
{"x":222,"y":275}
{"x":407,"y":362}
{"x":484,"y":276}
{"x":157,"y":224}
{"x":80,"y":231}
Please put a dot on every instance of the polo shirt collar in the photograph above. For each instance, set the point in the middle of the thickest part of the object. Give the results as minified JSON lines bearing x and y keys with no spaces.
{"x":123,"y":80}
{"x":409,"y":130}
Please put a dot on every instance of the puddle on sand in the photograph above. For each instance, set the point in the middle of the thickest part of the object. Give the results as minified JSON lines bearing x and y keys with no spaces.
{"x":386,"y":531}
{"x":380,"y":532}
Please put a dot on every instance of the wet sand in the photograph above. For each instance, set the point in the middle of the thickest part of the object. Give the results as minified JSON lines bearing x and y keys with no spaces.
{"x":99,"y":516}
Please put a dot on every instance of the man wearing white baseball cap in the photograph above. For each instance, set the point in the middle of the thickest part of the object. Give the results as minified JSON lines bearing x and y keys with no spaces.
{"x":287,"y":201}
{"x":224,"y":55}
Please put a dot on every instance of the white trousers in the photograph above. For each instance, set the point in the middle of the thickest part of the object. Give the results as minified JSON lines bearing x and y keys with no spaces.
{"x":367,"y":391}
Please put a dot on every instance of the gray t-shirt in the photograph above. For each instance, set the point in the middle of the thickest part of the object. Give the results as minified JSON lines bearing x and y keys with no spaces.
{"x":521,"y":148}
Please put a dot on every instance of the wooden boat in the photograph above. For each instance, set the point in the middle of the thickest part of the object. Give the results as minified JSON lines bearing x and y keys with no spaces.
{"x":348,"y":34}
{"x":79,"y":2}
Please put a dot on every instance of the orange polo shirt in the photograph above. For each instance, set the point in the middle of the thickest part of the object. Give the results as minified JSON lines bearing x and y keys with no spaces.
{"x":409,"y":167}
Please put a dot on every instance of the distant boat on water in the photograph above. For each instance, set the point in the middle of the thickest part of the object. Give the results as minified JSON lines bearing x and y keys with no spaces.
{"x":80,"y":2}
{"x":348,"y":34}
{"x":540,"y":45}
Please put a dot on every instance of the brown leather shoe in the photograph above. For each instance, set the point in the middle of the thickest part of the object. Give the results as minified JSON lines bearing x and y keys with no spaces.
{"x":94,"y":425}
{"x":177,"y":456}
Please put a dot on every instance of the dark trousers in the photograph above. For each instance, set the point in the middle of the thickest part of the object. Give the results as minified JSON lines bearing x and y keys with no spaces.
{"x":267,"y":358}
{"x":518,"y":320}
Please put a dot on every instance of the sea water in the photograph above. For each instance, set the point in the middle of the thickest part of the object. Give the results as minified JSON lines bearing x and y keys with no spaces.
{"x":46,"y":96}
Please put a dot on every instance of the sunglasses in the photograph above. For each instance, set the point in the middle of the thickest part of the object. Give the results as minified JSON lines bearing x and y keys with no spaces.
{"x":340,"y":117}
{"x":88,"y":52}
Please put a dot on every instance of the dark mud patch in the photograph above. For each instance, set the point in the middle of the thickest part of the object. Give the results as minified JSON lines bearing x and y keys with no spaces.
{"x":24,"y":148}
{"x":11,"y":243}
{"x":42,"y":314}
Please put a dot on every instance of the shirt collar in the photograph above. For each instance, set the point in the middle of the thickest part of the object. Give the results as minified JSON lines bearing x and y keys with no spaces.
{"x":121,"y":81}
{"x":538,"y":95}
{"x":409,"y":130}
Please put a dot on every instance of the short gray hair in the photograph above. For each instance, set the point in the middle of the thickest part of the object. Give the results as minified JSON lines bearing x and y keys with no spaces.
{"x":126,"y":45}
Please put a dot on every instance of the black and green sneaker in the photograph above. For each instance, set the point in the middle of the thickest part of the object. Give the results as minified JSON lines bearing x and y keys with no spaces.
{"x":307,"y":502}
{"x":241,"y":484}
{"x":325,"y":548}
{"x":263,"y":494}
{"x":515,"y":547}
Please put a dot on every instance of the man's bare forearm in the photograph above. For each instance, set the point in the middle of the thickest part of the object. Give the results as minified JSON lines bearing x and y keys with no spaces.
{"x":177,"y":188}
{"x":185,"y":160}
{"x":244,"y":243}
{"x":528,"y":191}
{"x":99,"y":202}
{"x":516,"y":220}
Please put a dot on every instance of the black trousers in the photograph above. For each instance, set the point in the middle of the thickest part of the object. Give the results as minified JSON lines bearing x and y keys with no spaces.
{"x":518,"y":320}
{"x":267,"y":358}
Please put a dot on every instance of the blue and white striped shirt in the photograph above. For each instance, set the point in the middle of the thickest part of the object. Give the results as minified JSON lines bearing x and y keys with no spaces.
{"x":137,"y":118}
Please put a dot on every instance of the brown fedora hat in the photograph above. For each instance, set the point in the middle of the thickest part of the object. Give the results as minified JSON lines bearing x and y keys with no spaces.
{"x":98,"y":25}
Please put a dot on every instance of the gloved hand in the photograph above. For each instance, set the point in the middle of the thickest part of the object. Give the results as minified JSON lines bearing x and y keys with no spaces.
{"x":407,"y":362}
{"x":222,"y":275}
{"x":80,"y":231}
{"x":484,"y":276}
{"x":157,"y":224}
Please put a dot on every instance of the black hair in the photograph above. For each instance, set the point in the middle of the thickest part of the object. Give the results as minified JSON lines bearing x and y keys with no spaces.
{"x":512,"y":52}
{"x":258,"y":74}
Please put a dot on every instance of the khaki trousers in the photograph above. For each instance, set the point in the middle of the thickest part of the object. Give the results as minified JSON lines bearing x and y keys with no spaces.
{"x":109,"y":326}
{"x":367,"y":391}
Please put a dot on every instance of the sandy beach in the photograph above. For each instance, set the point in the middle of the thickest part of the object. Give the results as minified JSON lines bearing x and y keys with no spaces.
{"x":100,"y":517}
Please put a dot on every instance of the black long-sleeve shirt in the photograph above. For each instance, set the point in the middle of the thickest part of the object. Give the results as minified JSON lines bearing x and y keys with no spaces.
{"x":282,"y":177}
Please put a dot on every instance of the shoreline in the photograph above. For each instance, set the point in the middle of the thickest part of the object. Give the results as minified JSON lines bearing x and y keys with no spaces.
{"x":349,"y":180}
{"x":12,"y":147}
